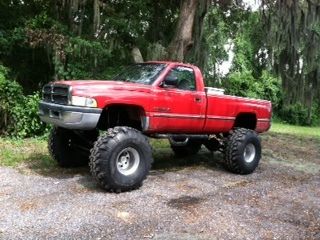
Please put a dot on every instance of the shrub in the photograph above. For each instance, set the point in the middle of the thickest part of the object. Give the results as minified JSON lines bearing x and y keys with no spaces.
{"x":18,"y":113}
{"x":294,"y":114}
{"x":297,"y":114}
{"x":26,"y":120}
{"x":271,"y":88}
{"x":10,"y":95}
{"x":244,"y":84}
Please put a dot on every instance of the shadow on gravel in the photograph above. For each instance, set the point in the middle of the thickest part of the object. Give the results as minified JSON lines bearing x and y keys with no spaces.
{"x":164,"y":161}
{"x":89,"y":183}
{"x":44,"y":165}
{"x":185,"y":202}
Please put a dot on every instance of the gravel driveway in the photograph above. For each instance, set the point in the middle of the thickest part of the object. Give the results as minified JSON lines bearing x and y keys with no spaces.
{"x":193,"y":198}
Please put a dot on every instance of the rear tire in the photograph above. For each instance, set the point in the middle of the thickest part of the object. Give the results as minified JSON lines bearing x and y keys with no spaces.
{"x":243,"y":151}
{"x":191,"y":147}
{"x":70,"y":149}
{"x":121,"y":159}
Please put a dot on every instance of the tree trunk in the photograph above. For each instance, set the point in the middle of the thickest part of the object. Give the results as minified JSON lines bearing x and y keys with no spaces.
{"x":199,"y":51}
{"x":182,"y":41}
{"x":73,"y":9}
{"x":311,"y":81}
{"x":96,"y":16}
{"x":136,"y":55}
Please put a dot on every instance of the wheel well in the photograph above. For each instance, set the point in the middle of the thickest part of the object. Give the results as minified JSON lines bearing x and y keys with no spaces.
{"x":246,"y":120}
{"x":121,"y":115}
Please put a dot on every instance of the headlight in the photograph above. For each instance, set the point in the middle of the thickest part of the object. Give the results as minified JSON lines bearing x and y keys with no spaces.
{"x":83,"y":101}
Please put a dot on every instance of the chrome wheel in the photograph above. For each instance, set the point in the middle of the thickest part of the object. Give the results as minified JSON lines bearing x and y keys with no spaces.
{"x":128,"y":161}
{"x":249,"y":153}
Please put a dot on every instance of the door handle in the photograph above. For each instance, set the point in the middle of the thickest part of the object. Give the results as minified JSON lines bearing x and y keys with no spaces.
{"x":197,"y":99}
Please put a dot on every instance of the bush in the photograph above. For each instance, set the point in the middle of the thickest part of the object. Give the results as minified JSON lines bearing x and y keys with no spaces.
{"x":245,"y":85}
{"x":26,"y":120}
{"x":242,"y":84}
{"x":10,"y":95}
{"x":271,"y":89}
{"x":297,"y":114}
{"x":19,"y":113}
{"x":294,"y":114}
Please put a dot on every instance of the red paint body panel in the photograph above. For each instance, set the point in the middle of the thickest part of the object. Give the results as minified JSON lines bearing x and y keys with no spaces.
{"x":223,"y":110}
{"x":171,"y":110}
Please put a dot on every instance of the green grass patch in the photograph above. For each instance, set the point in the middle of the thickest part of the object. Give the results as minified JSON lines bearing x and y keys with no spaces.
{"x":295,"y":130}
{"x":30,"y":151}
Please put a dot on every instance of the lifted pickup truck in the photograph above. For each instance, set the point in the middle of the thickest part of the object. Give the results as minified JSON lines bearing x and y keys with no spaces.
{"x":152,"y":99}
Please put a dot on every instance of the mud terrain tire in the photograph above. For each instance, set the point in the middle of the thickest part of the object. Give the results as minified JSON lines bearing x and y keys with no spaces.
{"x":243,"y":151}
{"x":121,"y":159}
{"x":69,"y":149}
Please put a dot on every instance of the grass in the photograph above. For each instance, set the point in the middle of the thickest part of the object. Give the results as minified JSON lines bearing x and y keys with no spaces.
{"x":14,"y":152}
{"x":295,"y":130}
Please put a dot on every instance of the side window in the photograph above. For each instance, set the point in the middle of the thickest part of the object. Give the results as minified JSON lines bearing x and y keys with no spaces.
{"x":185,"y":76}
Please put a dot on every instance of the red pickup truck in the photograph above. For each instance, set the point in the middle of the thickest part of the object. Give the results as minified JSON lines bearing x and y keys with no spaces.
{"x":152,"y":99}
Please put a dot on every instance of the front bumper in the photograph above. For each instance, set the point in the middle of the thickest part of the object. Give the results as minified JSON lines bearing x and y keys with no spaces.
{"x":70,"y":117}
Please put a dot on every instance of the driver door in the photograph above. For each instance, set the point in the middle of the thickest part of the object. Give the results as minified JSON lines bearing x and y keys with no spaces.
{"x":183,"y":108}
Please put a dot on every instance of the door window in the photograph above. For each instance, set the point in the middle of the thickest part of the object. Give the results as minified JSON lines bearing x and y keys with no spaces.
{"x":185,"y":76}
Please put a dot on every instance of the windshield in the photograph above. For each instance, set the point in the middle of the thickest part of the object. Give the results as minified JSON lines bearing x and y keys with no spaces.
{"x":144,"y":73}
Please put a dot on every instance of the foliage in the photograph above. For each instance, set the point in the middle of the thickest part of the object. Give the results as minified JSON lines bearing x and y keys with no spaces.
{"x":249,"y":46}
{"x":230,"y":29}
{"x":271,"y":86}
{"x":10,"y":94}
{"x":26,"y":119}
{"x":297,"y":114}
{"x":294,"y":114}
{"x":292,"y":35}
{"x":86,"y":59}
{"x":44,"y":40}
{"x":244,"y":84}
{"x":19,"y":113}
{"x":216,"y":34}
{"x":9,"y":90}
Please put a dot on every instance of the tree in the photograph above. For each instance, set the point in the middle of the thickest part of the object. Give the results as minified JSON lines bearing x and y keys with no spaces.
{"x":183,"y":39}
{"x":294,"y":34}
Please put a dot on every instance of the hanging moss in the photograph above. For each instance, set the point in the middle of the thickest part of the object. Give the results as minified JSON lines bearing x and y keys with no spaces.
{"x":293,"y":29}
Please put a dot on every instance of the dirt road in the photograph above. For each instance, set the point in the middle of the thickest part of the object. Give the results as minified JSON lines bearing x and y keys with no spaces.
{"x":192,"y":198}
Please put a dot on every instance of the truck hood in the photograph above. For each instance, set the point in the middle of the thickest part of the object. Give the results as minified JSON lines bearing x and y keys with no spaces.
{"x":101,"y":87}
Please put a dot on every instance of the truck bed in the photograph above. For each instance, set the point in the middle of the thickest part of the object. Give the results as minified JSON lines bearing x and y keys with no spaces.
{"x":222,"y":111}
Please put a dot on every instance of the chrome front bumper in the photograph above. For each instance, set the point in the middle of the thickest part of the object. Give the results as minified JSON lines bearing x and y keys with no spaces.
{"x":70,"y":117}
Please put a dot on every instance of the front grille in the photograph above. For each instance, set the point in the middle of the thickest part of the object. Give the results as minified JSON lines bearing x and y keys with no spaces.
{"x":55,"y":93}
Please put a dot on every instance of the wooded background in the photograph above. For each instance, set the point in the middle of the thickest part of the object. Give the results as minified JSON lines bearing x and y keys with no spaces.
{"x":276,"y":49}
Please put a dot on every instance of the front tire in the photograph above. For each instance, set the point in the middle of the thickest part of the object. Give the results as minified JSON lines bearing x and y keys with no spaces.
{"x":243,"y":151}
{"x":121,"y":159}
{"x":69,"y":148}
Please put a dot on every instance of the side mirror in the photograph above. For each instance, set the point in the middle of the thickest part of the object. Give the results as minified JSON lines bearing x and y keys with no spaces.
{"x":170,"y":81}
